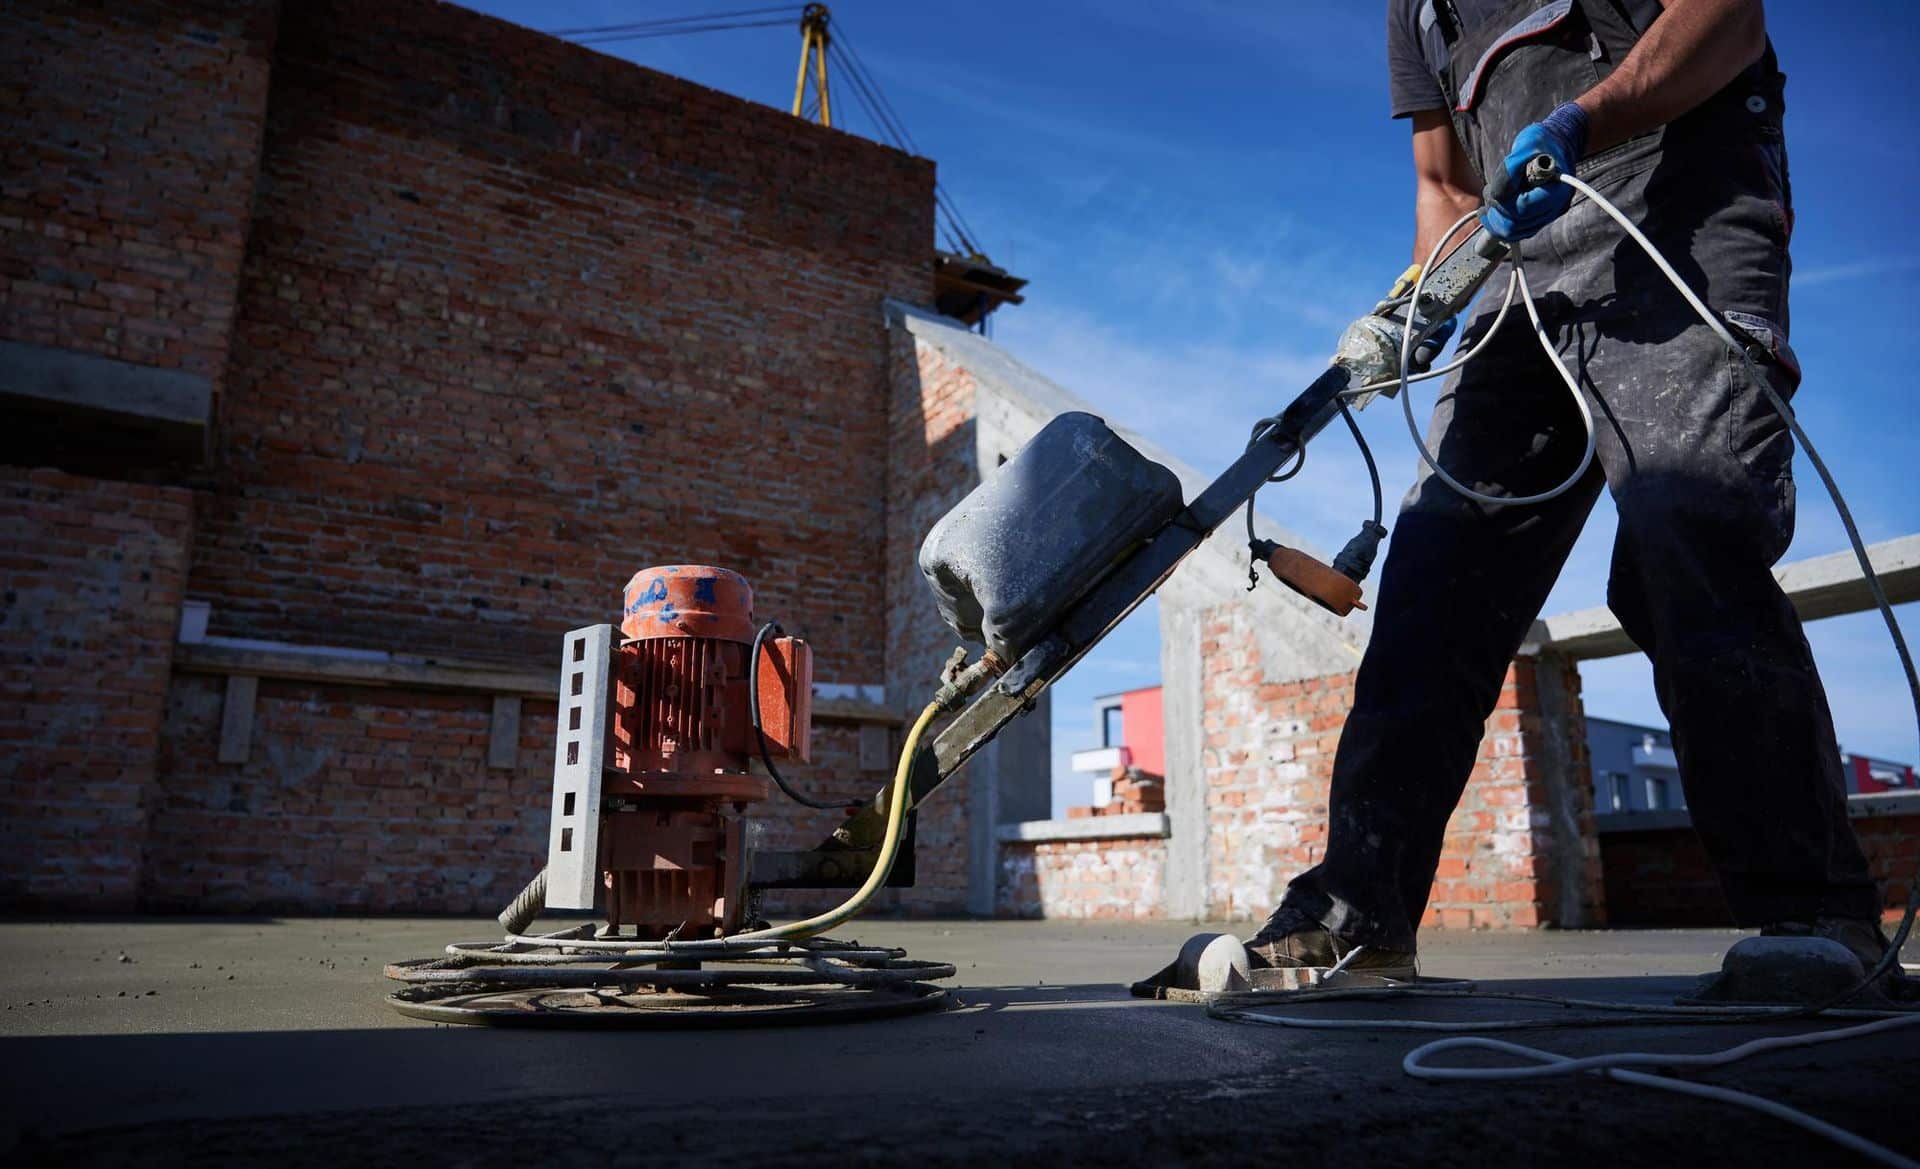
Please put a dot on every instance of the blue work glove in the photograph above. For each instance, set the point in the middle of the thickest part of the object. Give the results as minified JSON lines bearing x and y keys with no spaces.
{"x":1424,"y":353}
{"x":1562,"y":134}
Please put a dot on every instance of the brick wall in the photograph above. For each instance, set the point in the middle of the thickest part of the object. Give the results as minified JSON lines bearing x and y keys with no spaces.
{"x":496,"y":321}
{"x":1120,"y":879}
{"x":127,"y":160}
{"x":353,"y":799}
{"x":1269,"y":749}
{"x":518,"y":319}
{"x":93,"y":572}
{"x":1661,"y":876}
{"x":931,"y":466}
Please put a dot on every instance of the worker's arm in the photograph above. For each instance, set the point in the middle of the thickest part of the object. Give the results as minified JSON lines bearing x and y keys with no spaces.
{"x":1685,"y":57}
{"x":1692,"y":50}
{"x":1446,"y":187}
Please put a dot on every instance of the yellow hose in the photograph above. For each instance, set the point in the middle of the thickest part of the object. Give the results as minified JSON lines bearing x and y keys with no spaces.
{"x":889,"y":847}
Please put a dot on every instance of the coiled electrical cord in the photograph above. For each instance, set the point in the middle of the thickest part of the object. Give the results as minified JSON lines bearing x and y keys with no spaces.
{"x":1620,"y":1065}
{"x":760,"y":734}
{"x":1518,"y":281}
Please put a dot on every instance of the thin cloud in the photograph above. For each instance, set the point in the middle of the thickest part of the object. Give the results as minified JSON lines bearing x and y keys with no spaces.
{"x":1854,"y":270}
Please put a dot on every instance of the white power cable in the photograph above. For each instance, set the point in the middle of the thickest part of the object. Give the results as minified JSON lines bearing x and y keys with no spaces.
{"x":1459,"y":359}
{"x":1792,"y":420}
{"x":1519,"y":280}
{"x":1615,"y":1066}
{"x":1619,"y":1065}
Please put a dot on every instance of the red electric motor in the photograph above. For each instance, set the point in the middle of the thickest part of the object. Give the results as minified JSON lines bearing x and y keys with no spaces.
{"x":666,"y":708}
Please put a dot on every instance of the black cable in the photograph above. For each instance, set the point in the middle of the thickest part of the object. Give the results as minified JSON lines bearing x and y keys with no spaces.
{"x":1373,"y":472}
{"x":890,"y":130}
{"x":760,"y":734}
{"x":941,"y":198}
{"x":859,"y":65}
{"x":673,"y":32}
{"x":700,"y":18}
{"x":894,"y":133}
{"x":959,"y":233}
{"x":1261,"y":430}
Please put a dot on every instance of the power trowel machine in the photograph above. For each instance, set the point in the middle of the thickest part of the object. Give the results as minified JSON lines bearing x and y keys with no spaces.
{"x":663,"y":715}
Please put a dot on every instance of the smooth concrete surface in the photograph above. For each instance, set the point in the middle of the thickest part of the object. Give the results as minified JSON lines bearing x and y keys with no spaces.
{"x":242,"y":1041}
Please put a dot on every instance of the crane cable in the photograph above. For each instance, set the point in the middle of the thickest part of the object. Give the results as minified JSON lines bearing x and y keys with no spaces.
{"x":892,"y":129}
{"x":676,"y":25}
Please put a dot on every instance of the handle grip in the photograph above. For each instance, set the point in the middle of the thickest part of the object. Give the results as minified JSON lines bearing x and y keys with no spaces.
{"x":1540,"y":170}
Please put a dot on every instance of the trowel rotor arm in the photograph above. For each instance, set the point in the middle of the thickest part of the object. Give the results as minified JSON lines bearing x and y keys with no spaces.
{"x":837,"y":859}
{"x":1135,"y":579}
{"x":1452,"y":284}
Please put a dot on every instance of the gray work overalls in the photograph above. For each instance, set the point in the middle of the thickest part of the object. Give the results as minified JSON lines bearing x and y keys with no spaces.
{"x":1699,"y":466}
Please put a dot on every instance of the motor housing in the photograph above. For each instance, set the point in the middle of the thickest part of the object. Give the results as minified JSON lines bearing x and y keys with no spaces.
{"x":656,"y":827}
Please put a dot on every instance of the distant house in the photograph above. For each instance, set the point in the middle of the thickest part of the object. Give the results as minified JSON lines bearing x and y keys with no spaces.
{"x":1132,"y":736}
{"x":1633,"y":768}
{"x":1867,"y":776}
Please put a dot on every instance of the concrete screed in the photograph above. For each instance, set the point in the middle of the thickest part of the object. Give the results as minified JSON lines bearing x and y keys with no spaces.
{"x":240,"y":1041}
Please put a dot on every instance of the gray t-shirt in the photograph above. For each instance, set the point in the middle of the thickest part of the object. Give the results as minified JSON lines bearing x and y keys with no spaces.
{"x":1410,"y":77}
{"x":1412,"y":81}
{"x":1415,"y":58}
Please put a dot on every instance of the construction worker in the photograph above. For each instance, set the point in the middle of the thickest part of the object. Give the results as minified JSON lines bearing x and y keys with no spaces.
{"x":1674,"y":113}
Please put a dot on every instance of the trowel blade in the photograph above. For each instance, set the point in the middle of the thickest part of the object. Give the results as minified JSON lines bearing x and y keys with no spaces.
{"x":1208,"y":965}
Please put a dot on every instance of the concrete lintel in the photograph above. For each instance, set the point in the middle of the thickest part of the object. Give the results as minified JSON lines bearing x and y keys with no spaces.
{"x":171,"y":403}
{"x":1822,"y":586}
{"x":1133,"y":825}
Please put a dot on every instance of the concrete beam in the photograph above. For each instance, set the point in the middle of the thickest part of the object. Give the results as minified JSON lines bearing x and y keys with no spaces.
{"x":1824,"y":586}
{"x":169,"y":405}
{"x":1860,"y":806}
{"x":316,"y":664}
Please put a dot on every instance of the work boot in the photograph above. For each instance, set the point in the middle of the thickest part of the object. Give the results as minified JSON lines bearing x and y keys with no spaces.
{"x":1861,"y":935}
{"x":1804,"y":964}
{"x":1292,"y":940}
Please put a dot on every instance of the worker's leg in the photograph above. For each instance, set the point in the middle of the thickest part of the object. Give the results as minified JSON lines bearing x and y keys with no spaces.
{"x":1462,"y":584}
{"x":1703,"y":483}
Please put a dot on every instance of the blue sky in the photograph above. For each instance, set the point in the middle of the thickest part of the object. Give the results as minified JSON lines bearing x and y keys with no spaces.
{"x":1204,"y":194}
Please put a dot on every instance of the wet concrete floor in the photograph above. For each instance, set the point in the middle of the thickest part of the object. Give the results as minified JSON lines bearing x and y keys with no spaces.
{"x":248,"y":1041}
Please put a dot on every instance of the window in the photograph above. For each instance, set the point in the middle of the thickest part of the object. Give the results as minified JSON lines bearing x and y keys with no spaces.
{"x":1619,"y":794}
{"x":1112,"y":729}
{"x":1656,"y":794}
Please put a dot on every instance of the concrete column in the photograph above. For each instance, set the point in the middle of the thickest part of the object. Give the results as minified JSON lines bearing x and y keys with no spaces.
{"x":1002,"y":791}
{"x":1186,"y":779}
{"x":1562,"y":785}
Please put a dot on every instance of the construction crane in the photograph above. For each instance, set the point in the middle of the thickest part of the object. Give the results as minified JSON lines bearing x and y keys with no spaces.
{"x":814,"y":40}
{"x":967,"y":285}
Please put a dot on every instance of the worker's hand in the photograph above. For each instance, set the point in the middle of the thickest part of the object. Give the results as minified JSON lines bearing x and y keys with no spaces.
{"x":1424,"y":353}
{"x":1395,"y":308}
{"x":1561,"y":134}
